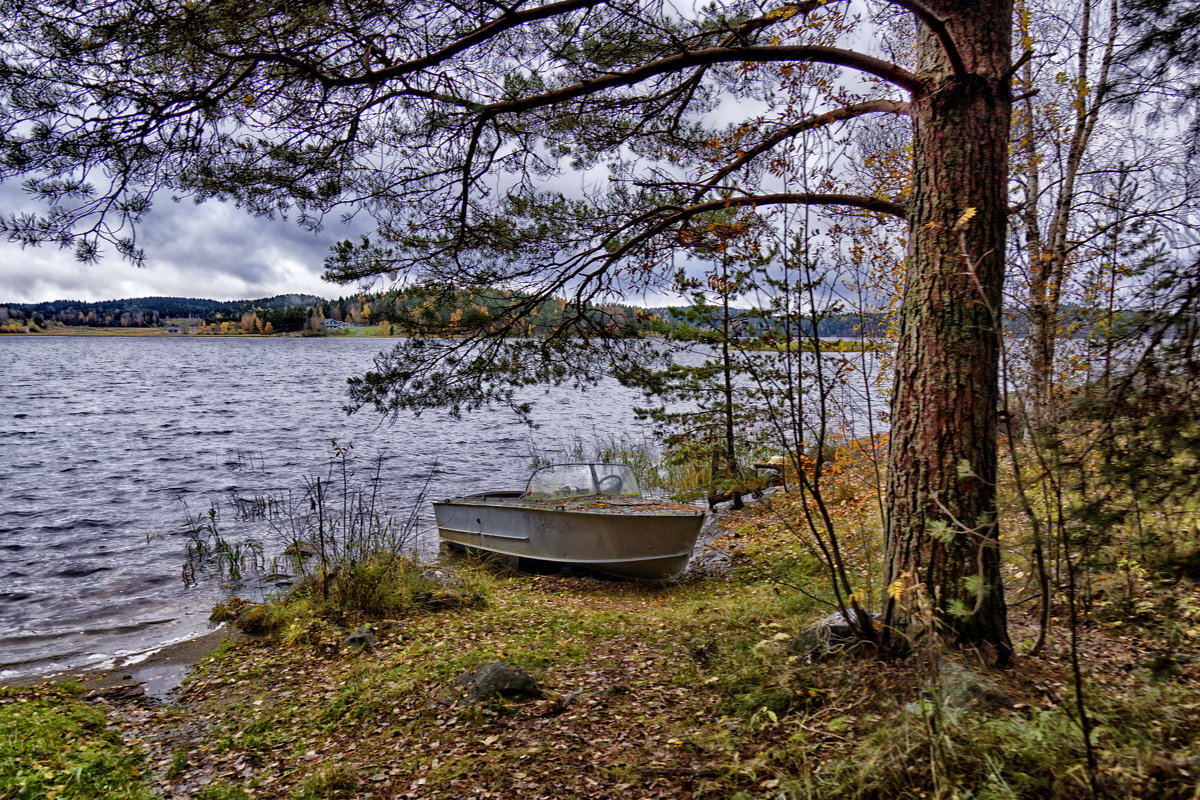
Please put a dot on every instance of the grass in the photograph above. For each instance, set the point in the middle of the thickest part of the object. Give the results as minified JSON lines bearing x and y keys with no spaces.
{"x":274,"y":703}
{"x":692,"y":690}
{"x":72,"y":330}
{"x":54,"y":745}
{"x":681,"y":691}
{"x":366,"y":330}
{"x":384,"y":586}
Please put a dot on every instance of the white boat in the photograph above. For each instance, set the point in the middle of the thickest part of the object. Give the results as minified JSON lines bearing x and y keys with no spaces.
{"x":588,"y":515}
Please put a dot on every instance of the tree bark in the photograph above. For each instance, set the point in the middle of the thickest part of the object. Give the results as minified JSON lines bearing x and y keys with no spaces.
{"x":941,"y":526}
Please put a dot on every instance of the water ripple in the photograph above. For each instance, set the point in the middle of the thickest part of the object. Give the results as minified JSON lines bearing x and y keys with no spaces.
{"x":91,"y":509}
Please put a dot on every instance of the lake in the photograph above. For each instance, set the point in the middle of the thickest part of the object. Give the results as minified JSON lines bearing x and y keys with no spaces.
{"x":110,"y":443}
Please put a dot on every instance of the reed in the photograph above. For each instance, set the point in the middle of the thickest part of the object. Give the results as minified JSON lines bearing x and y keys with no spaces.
{"x":343,"y":554}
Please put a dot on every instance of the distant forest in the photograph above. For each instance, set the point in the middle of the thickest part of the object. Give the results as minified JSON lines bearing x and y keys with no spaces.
{"x":406,"y":312}
{"x":155,"y":312}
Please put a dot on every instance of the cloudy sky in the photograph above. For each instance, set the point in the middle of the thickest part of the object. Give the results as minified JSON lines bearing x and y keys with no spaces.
{"x":211,"y":251}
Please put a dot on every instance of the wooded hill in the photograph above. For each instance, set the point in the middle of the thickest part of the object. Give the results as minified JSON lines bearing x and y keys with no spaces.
{"x":140,"y":312}
{"x":412,"y":311}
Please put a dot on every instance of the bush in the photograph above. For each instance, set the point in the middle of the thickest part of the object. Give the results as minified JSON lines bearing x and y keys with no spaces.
{"x":383,"y":586}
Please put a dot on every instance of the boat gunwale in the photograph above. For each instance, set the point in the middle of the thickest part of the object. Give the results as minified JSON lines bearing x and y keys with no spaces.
{"x":559,"y":507}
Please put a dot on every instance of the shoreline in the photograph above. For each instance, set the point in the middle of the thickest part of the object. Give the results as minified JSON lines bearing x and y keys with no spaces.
{"x":93,"y":334}
{"x":156,"y":673}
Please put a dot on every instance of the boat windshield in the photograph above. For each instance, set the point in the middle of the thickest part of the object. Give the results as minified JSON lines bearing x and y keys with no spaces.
{"x":580,"y":480}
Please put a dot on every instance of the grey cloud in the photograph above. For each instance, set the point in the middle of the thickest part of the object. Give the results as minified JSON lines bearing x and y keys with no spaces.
{"x":210,"y":250}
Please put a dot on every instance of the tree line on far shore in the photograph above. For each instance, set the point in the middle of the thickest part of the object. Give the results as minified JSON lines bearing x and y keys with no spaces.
{"x":419,"y":311}
{"x":412,"y":311}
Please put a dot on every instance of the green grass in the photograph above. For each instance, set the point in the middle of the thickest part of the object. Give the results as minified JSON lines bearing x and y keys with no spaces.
{"x":220,"y":790}
{"x":713,"y":700}
{"x":711,"y":695}
{"x":367,"y":330}
{"x":383,"y":586}
{"x":54,"y":745}
{"x":64,"y":330}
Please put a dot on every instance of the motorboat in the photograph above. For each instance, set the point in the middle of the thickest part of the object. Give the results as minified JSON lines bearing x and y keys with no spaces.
{"x":590,"y":515}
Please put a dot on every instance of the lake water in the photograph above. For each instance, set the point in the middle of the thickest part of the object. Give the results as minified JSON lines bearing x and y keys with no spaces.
{"x":108,"y":443}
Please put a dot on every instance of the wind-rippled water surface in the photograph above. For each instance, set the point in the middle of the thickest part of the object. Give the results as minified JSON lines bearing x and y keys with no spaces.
{"x":107,"y":443}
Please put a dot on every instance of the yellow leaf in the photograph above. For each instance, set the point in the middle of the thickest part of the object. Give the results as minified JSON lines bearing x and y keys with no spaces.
{"x":964,"y":219}
{"x":895,"y":589}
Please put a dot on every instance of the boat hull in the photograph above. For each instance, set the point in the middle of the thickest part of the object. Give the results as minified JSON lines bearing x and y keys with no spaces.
{"x":640,"y":545}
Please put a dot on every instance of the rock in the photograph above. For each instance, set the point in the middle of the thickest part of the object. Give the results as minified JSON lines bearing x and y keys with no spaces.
{"x":254,"y":619}
{"x":229,"y":611}
{"x":361,"y":640}
{"x":829,"y":638}
{"x":704,"y":651}
{"x":389,"y":626}
{"x":300,"y":549}
{"x":963,"y":690}
{"x":496,"y":679}
{"x":123,"y":693}
{"x":444,"y":578}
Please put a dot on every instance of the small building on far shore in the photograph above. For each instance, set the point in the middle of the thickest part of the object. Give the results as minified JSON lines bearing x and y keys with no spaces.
{"x":337,"y":324}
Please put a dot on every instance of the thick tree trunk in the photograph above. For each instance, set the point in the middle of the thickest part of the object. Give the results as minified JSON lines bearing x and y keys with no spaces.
{"x":941,"y":530}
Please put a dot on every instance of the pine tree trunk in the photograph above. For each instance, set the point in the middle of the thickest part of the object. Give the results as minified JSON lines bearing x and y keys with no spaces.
{"x":942,"y":461}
